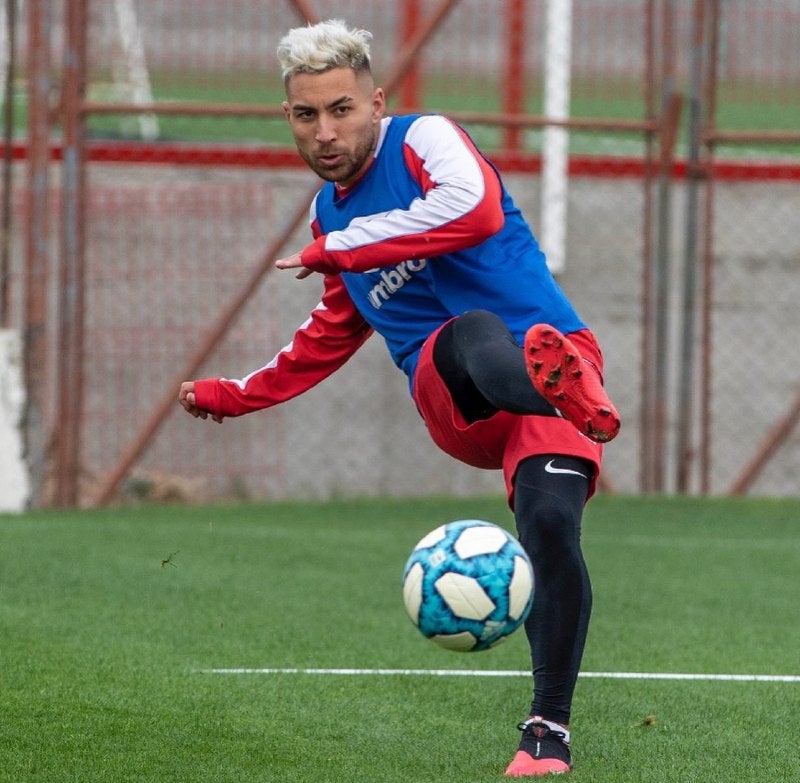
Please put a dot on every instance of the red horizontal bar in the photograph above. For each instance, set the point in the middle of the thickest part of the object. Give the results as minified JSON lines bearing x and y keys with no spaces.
{"x":609,"y":166}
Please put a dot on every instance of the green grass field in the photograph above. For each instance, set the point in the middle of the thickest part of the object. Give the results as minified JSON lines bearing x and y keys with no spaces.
{"x":110,"y":621}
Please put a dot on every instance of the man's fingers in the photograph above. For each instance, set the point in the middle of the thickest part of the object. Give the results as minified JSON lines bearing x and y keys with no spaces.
{"x":290,"y":262}
{"x":188,"y":401}
{"x":294,"y":261}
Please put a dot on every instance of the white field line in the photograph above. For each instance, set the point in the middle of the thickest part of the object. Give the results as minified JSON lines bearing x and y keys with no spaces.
{"x":512,"y":673}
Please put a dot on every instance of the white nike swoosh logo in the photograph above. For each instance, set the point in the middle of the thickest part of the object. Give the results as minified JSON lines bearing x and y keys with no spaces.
{"x":549,"y":467}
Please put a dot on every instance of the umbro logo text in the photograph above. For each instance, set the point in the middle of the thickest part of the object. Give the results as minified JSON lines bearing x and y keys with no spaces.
{"x":392,"y":280}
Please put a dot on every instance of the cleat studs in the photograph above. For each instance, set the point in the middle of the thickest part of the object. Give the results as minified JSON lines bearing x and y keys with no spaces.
{"x":554,"y":377}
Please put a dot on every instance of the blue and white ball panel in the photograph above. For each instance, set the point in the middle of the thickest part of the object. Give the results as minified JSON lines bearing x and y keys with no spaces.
{"x":412,"y":590}
{"x":464,"y":596}
{"x":468,"y":585}
{"x":520,"y":591}
{"x":480,"y":539}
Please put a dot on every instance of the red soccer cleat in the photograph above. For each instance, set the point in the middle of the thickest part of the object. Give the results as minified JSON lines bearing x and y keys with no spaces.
{"x":557,"y":370}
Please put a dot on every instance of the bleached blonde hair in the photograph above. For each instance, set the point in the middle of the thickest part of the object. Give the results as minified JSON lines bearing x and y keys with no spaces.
{"x":323,"y":46}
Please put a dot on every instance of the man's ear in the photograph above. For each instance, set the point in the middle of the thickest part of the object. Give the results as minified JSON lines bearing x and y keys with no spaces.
{"x":287,"y":110}
{"x":378,"y":103}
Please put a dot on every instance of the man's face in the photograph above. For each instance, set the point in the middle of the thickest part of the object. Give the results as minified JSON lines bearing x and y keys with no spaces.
{"x":335,"y":118}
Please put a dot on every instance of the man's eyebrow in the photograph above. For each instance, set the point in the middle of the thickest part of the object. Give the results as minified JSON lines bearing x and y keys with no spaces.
{"x":332,"y":105}
{"x":340,"y":101}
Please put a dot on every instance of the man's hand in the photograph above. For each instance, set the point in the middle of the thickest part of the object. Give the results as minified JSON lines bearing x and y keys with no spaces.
{"x":293,"y":262}
{"x":188,"y":401}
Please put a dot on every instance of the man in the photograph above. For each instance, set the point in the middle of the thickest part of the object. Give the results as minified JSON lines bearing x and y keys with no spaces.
{"x":417,"y":239}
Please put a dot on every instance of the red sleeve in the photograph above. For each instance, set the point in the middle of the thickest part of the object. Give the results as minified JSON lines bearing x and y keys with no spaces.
{"x":334,"y":331}
{"x":461,"y":207}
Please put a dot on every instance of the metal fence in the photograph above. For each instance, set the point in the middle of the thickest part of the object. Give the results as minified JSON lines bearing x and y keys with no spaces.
{"x":155,"y":181}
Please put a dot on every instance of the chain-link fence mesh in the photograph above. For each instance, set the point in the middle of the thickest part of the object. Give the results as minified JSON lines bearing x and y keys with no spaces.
{"x":169,"y":245}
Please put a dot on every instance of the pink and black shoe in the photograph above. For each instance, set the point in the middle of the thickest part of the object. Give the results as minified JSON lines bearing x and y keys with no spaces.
{"x":543,"y":750}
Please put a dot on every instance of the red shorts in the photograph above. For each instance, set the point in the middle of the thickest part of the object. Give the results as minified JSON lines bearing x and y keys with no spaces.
{"x":504,"y":439}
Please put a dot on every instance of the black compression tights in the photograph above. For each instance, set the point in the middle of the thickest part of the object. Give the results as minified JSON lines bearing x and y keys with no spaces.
{"x":484,"y":368}
{"x":547,"y":510}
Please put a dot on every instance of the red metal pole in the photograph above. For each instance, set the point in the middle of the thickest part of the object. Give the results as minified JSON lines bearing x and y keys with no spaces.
{"x":686,"y":401}
{"x":410,"y":86}
{"x":407,"y":56}
{"x":514,"y":83}
{"x":72,"y":260}
{"x":670,"y":111}
{"x":775,"y":438}
{"x":37,"y":383}
{"x":305,"y":11}
{"x":7,"y":175}
{"x":646,"y":476}
{"x":706,"y":348}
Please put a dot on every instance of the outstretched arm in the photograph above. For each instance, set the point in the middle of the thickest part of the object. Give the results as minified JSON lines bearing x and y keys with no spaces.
{"x":334,"y":331}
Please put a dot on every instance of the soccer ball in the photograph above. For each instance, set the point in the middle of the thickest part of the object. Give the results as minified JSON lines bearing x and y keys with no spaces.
{"x":468,"y":585}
